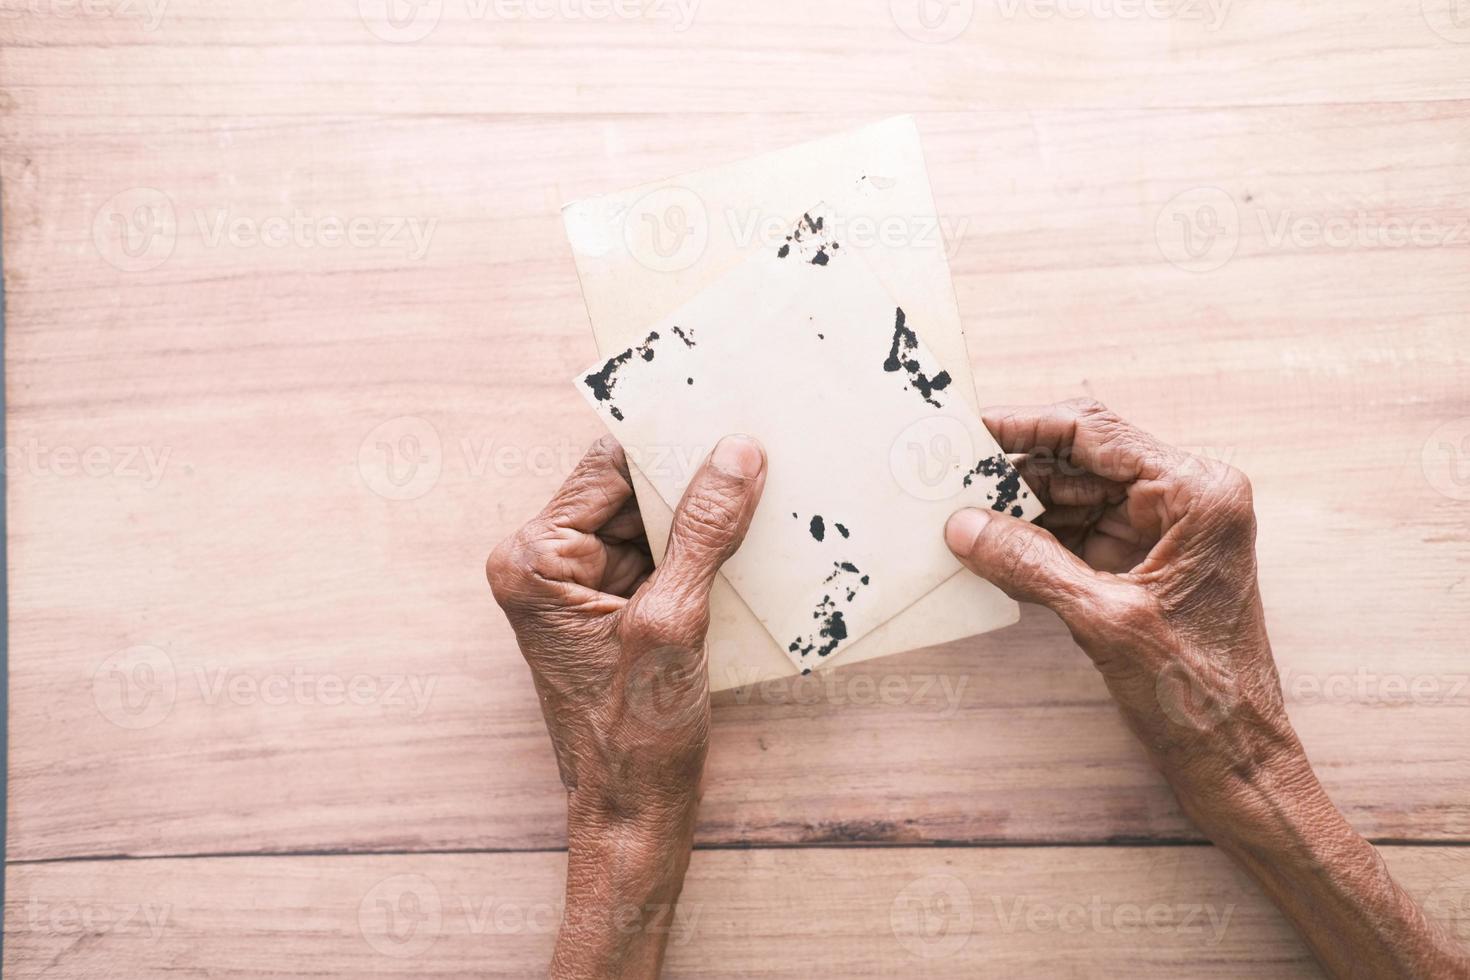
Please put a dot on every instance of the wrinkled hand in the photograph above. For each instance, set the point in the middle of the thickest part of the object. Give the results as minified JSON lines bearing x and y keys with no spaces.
{"x":1148,"y":556}
{"x":616,"y":648}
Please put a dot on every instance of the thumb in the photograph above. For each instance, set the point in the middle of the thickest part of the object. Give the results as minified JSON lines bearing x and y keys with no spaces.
{"x":709,"y":524}
{"x":1022,"y":560}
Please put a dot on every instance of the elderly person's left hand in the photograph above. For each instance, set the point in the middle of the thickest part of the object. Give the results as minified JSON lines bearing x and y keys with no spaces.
{"x":617,"y":652}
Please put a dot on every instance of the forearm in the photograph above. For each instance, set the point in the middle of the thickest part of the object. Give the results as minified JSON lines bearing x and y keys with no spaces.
{"x":623,"y":882}
{"x":1333,"y":885}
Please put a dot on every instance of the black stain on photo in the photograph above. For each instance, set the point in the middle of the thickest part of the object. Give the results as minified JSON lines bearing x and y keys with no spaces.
{"x":818,"y":528}
{"x":602,"y":383}
{"x":832,"y":627}
{"x":1008,"y":485}
{"x":809,"y":231}
{"x":901,"y":357}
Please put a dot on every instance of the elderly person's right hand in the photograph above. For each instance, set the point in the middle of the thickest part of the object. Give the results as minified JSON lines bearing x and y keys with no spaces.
{"x":1147,"y":554}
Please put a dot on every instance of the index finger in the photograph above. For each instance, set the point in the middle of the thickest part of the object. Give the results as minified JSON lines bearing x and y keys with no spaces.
{"x":1085,"y":433}
{"x":594,"y":493}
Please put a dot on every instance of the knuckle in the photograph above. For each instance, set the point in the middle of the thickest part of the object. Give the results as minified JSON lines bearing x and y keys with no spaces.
{"x":1087,"y":408}
{"x":501,"y":568}
{"x":518,"y":562}
{"x":1230,"y":494}
{"x":1104,"y":424}
{"x":663,"y":621}
{"x":1101,"y":427}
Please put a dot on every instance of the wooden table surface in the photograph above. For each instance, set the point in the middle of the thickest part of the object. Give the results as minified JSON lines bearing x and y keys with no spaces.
{"x":290,"y":321}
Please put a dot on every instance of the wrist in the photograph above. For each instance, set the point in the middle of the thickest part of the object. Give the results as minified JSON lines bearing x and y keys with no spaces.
{"x":598,"y":813}
{"x":1264,"y":800}
{"x":624,"y":876}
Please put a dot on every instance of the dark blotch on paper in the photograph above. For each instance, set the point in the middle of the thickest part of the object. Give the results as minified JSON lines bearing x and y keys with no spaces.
{"x":831,"y":627}
{"x":901,"y":357}
{"x":1008,"y":486}
{"x":601,"y":383}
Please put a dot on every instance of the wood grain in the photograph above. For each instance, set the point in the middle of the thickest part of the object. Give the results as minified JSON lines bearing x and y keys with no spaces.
{"x":205,"y":60}
{"x":933,"y":913}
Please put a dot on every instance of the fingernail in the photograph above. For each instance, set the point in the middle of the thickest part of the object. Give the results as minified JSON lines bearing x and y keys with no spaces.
{"x":963,"y":528}
{"x":739,"y":456}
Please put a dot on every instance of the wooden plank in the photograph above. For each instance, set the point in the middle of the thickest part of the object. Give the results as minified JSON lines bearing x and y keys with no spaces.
{"x":264,"y":562}
{"x":193,"y":58}
{"x":935,"y":913}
